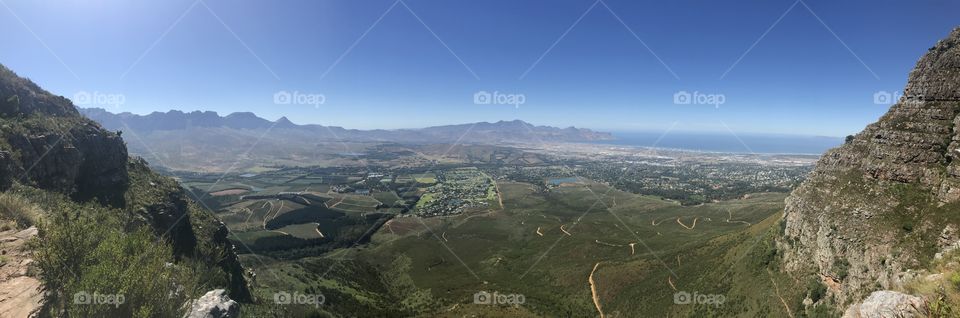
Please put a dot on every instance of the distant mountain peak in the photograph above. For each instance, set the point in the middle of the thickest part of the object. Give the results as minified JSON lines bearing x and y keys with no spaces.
{"x":284,"y":122}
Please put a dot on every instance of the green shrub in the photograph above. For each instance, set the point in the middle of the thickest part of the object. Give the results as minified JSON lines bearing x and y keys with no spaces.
{"x":842,"y":266}
{"x":955,"y":280}
{"x":817,"y":289}
{"x":15,"y":208}
{"x":83,"y":253}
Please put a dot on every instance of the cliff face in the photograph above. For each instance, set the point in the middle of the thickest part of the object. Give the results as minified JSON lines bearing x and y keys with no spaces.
{"x":881,"y":203}
{"x":47,"y":144}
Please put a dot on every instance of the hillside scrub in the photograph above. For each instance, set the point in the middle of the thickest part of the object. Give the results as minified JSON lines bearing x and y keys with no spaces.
{"x":108,"y":272}
{"x":15,"y":208}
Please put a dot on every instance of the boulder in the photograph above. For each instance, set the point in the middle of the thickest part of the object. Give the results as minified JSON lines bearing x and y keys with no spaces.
{"x":885,"y":303}
{"x":214,"y":304}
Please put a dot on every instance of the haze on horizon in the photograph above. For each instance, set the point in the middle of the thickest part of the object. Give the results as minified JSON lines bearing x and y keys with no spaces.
{"x":782,"y":67}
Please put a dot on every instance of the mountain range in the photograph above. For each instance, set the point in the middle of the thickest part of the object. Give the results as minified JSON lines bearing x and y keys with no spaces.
{"x":515,"y":131}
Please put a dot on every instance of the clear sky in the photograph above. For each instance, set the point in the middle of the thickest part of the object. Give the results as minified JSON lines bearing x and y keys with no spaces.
{"x":780,"y":66}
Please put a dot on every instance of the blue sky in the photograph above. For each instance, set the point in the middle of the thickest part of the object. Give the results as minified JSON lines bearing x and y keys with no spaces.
{"x":803,"y":72}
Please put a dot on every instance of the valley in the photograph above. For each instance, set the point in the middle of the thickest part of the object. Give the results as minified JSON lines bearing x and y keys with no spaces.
{"x":534,"y":229}
{"x":461,"y":159}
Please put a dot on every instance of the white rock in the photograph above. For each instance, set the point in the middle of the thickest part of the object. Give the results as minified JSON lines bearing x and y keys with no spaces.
{"x":888,"y":304}
{"x":214,"y":304}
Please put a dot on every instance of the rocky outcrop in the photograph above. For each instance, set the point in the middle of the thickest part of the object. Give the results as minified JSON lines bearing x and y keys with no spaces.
{"x":83,"y":161}
{"x":888,"y":304}
{"x":239,"y":288}
{"x":870,"y":207}
{"x":214,"y":304}
{"x":46,"y":143}
{"x":20,"y":96}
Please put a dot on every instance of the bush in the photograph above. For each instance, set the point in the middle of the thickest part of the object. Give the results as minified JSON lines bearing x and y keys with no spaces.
{"x":817,"y":289}
{"x":842,"y":266}
{"x":955,"y":280}
{"x":85,"y":254}
{"x":15,"y":208}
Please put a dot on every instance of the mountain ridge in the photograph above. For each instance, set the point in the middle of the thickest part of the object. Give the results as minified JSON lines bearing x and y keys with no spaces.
{"x":883,"y":204}
{"x":514,"y":130}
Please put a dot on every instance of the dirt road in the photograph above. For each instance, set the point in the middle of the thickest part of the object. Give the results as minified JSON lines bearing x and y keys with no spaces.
{"x":593,"y":290}
{"x":688,"y":227}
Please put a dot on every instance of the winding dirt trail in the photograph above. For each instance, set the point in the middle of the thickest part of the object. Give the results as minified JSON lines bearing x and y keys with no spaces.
{"x":730,"y":216}
{"x":688,"y":227}
{"x":538,"y":231}
{"x":593,"y":290}
{"x":655,"y":223}
{"x":496,"y":186}
{"x":777,"y":289}
{"x":444,"y":236}
{"x":385,"y":224}
{"x":607,"y":244}
{"x":274,"y":214}
{"x":670,"y":282}
{"x":262,"y":206}
{"x":632,"y":250}
{"x":564,"y":230}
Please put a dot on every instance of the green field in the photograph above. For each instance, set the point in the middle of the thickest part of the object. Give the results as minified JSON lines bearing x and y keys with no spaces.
{"x":719,"y":248}
{"x":426,"y":178}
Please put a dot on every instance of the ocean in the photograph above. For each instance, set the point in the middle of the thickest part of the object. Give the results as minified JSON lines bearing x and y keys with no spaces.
{"x":727,"y":142}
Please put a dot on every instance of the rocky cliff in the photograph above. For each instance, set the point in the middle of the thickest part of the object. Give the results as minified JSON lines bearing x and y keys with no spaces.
{"x":45,"y":143}
{"x":881,"y":203}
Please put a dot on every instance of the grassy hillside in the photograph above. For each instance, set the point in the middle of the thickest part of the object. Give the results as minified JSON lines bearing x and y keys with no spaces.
{"x":434,"y":267}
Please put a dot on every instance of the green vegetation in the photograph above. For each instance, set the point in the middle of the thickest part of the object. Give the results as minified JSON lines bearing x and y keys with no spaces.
{"x":16,"y":208}
{"x":730,"y":251}
{"x":103,"y":254}
{"x":106,"y":269}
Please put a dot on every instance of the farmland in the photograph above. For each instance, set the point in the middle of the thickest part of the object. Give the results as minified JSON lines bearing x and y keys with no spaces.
{"x":638,"y":240}
{"x":368,"y":237}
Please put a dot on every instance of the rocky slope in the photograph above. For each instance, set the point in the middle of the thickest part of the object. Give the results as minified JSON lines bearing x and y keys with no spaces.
{"x":881,"y":203}
{"x":47,"y":146}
